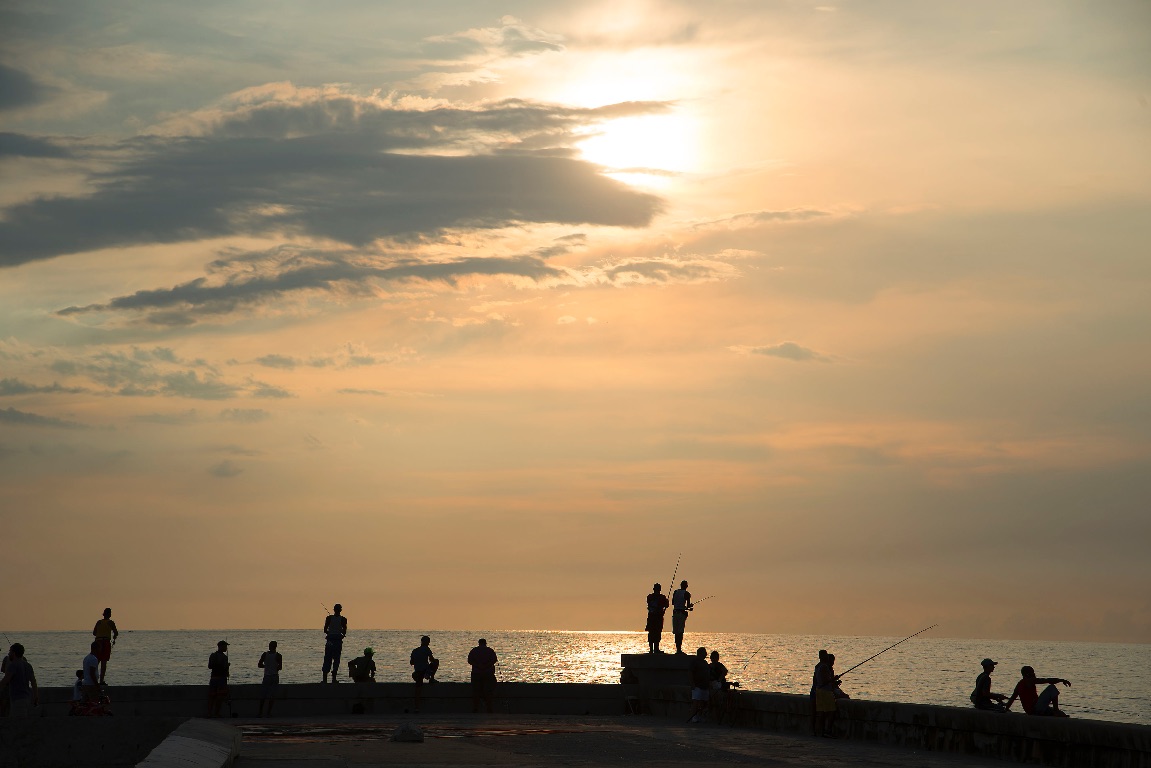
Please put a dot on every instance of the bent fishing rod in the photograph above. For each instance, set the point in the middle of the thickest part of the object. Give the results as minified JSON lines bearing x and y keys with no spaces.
{"x":749,"y":658}
{"x":697,"y":602}
{"x":888,"y":648}
{"x":671,"y":585}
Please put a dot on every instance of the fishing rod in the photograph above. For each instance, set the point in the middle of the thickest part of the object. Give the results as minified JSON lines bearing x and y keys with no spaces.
{"x":671,"y":585}
{"x":888,"y":648}
{"x":325,"y":609}
{"x":749,"y":658}
{"x":697,"y":602}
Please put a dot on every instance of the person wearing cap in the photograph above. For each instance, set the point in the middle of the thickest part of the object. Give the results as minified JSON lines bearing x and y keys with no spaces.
{"x":218,"y":680}
{"x":982,"y":697}
{"x":1034,"y":703}
{"x":657,"y":605}
{"x":363,"y":668}
{"x":335,"y":629}
{"x":271,"y":662}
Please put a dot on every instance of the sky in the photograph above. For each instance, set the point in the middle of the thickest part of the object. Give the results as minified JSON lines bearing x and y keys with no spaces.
{"x":485,"y":314}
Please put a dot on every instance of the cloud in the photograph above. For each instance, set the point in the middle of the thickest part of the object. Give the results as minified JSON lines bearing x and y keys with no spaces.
{"x":269,"y":391}
{"x":788,"y":350}
{"x":757,"y":218}
{"x":10,"y":387}
{"x":19,"y":89}
{"x":278,"y":361}
{"x":23,"y":418}
{"x":245,"y":415}
{"x":190,"y":416}
{"x":512,"y":38}
{"x":20,"y":145}
{"x":351,"y":391}
{"x":335,"y":168}
{"x":225,"y":469}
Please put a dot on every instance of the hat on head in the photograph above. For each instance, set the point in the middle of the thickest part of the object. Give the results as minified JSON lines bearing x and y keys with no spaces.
{"x":989,"y":663}
{"x":222,"y":644}
{"x":368,"y":651}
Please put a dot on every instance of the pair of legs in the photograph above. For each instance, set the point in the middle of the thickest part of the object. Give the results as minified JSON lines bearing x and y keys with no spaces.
{"x":268,"y":691}
{"x":825,"y":708}
{"x":217,"y":693}
{"x":699,"y":699}
{"x":483,"y":687}
{"x":1048,"y":703}
{"x":653,"y":638}
{"x":332,"y":651}
{"x":678,"y":623}
{"x":103,"y":653}
{"x":428,"y":674}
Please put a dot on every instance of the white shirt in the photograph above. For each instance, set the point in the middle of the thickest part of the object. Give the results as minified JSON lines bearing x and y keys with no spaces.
{"x":91,"y":669}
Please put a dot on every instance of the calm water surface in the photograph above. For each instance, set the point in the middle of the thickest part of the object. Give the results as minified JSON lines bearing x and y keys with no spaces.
{"x":1109,"y":680}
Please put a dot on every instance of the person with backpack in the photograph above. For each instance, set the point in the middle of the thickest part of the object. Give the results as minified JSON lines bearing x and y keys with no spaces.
{"x":20,"y":683}
{"x":363,"y":669}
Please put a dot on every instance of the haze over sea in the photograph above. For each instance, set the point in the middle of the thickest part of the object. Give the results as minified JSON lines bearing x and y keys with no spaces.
{"x":1109,"y":681}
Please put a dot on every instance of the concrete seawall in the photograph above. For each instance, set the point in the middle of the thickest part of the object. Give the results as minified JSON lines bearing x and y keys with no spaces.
{"x":1066,"y":743}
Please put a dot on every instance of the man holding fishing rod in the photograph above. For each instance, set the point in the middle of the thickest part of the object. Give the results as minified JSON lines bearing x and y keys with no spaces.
{"x":680,"y":605}
{"x":335,"y":630}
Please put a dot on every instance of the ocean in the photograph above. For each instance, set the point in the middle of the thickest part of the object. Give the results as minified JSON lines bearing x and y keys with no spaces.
{"x":1108,"y":680}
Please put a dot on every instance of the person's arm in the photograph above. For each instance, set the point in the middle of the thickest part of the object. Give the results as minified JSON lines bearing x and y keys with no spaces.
{"x":1014,"y":696}
{"x":262,"y":657}
{"x":279,"y":662}
{"x":35,"y":690}
{"x":95,"y":628}
{"x":344,"y":626}
{"x":1053,"y":681}
{"x":115,"y":632}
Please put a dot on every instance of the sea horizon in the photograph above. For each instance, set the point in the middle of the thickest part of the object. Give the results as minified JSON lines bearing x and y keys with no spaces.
{"x":923,"y":670}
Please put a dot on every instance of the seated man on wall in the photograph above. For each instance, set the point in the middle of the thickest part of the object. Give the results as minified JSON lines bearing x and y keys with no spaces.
{"x":363,"y":668}
{"x":982,"y":697}
{"x":1034,"y":703}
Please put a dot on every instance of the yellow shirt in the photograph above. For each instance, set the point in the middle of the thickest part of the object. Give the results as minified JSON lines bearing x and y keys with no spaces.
{"x":104,"y":629}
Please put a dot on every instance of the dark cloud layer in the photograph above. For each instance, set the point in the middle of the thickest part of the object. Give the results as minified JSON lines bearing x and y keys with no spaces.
{"x":23,"y":418}
{"x":22,"y":145}
{"x":329,"y":169}
{"x":19,"y":89}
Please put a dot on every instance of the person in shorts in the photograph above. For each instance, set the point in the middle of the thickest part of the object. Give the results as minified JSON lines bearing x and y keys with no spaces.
{"x":19,"y":683}
{"x":680,"y":605}
{"x":1034,"y":703}
{"x":424,"y":666}
{"x":271,"y":661}
{"x":218,"y":679}
{"x":483,"y":662}
{"x":335,"y":630}
{"x":700,"y":685}
{"x":105,"y":633}
{"x":826,"y":693}
{"x":657,"y":605}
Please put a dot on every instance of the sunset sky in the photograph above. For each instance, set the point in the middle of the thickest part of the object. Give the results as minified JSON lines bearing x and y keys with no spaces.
{"x":478,"y":314}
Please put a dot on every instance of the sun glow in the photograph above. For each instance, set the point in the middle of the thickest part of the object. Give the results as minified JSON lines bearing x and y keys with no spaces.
{"x":648,"y":149}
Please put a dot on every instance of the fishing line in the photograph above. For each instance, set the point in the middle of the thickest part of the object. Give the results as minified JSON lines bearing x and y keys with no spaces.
{"x":749,"y":658}
{"x":888,"y":648}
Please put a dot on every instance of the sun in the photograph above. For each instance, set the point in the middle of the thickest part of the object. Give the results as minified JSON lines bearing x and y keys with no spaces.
{"x":650,"y":149}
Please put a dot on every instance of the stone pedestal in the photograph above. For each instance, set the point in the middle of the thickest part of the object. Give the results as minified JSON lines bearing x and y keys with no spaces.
{"x":656,"y":669}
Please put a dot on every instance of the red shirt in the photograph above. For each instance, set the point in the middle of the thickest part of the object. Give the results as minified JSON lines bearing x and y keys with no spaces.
{"x":1027,"y":695}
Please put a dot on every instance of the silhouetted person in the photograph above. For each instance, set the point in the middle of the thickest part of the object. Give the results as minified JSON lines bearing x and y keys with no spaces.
{"x":90,"y":666}
{"x":105,"y":633}
{"x":826,"y":693}
{"x":483,"y":661}
{"x":700,"y":684}
{"x":363,"y":668}
{"x":656,"y":606}
{"x":271,"y":661}
{"x":680,"y":605}
{"x":982,"y":697}
{"x":219,"y":667}
{"x":19,"y":683}
{"x":335,"y":629}
{"x":815,"y":677}
{"x":1034,"y":703}
{"x":424,"y":666}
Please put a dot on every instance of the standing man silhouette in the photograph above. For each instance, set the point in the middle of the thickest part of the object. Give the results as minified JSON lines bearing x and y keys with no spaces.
{"x":105,"y":633}
{"x":680,"y":605}
{"x":335,"y":630}
{"x":656,"y":606}
{"x":271,"y":661}
{"x":483,"y":661}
